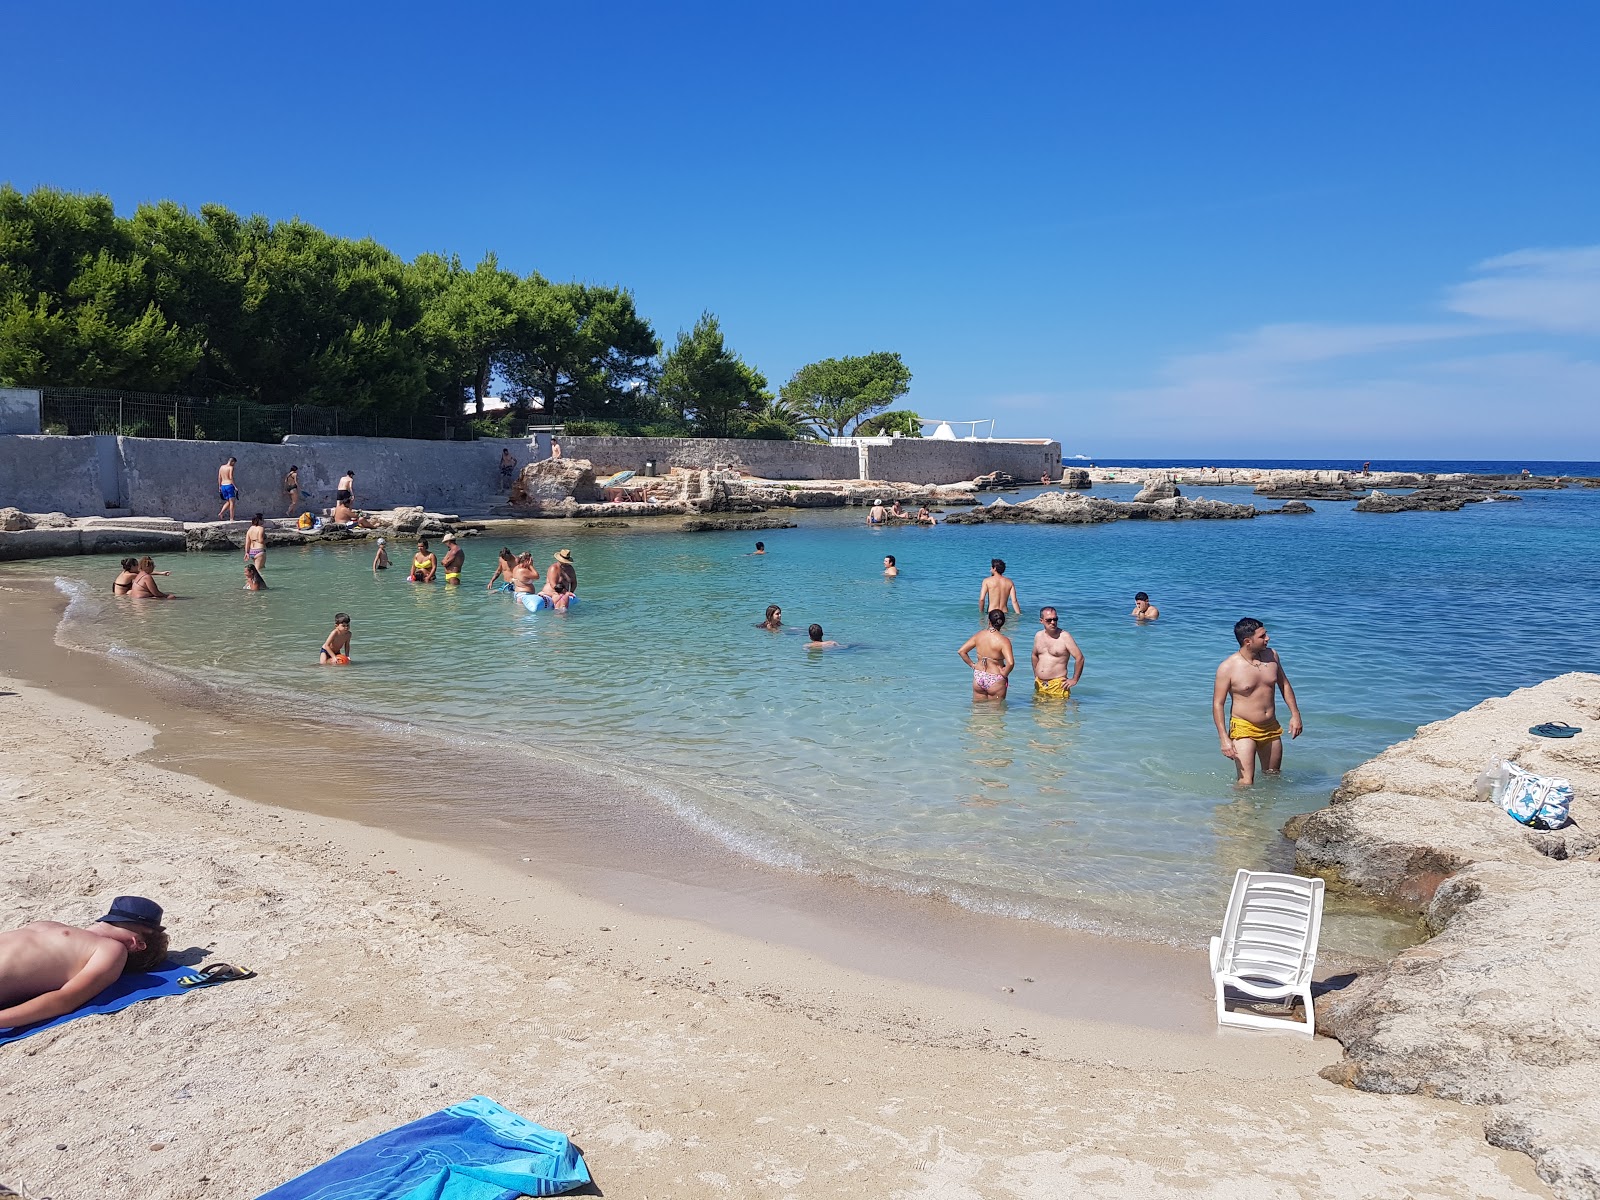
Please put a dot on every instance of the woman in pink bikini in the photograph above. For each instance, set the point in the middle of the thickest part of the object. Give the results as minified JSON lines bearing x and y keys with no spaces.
{"x":991,"y":673}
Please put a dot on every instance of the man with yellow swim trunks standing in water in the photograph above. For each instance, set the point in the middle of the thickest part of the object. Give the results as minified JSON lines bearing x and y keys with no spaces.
{"x":1250,"y":678}
{"x":1054,"y":651}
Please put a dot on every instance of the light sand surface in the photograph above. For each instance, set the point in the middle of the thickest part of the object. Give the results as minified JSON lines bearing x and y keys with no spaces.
{"x":397,"y":976}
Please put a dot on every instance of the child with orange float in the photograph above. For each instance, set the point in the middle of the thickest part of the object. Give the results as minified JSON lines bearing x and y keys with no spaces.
{"x":336,"y":647}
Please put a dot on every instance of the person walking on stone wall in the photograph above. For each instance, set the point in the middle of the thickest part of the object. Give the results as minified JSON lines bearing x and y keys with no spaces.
{"x":508,"y":468}
{"x":291,"y":489}
{"x":226,"y":490}
{"x":346,"y":493}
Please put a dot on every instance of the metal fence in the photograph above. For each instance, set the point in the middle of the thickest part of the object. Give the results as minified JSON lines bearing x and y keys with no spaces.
{"x":149,"y":414}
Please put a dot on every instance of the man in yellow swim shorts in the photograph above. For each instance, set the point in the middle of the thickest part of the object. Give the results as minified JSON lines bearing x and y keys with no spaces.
{"x":454,"y":556}
{"x":1053,"y":652}
{"x":1250,"y":678}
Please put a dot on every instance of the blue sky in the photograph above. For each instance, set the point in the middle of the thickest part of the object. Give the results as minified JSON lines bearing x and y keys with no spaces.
{"x":1225,"y":229}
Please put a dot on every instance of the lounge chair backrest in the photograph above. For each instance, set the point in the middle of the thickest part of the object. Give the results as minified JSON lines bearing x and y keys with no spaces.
{"x":1272,"y":926}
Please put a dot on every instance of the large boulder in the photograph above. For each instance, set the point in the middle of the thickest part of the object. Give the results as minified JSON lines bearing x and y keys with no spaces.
{"x":1076,"y":478}
{"x":554,"y":480}
{"x":1501,"y":1007}
{"x":1157,"y":489}
{"x":407,"y":520}
{"x":14,"y":519}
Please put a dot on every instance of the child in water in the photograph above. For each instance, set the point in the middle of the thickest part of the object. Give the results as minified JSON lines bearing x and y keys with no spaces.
{"x":336,"y":647}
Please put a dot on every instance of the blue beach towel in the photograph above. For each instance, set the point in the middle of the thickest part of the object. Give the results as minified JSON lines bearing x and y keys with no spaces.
{"x":130,"y":989}
{"x":471,"y":1151}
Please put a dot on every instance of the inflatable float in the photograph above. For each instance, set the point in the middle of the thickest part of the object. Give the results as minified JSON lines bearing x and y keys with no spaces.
{"x":534,"y":603}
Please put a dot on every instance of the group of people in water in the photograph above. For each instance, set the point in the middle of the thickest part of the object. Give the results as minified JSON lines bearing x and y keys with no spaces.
{"x":518,"y":574}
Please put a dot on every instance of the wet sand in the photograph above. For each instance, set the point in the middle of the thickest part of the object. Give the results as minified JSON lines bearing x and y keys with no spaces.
{"x":400,"y":973}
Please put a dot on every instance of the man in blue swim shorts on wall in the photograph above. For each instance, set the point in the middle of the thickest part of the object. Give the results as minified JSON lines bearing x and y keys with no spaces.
{"x":225,"y":488}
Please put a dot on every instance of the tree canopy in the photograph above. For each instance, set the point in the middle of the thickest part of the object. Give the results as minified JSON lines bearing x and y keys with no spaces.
{"x":211,"y":303}
{"x":836,"y":394}
{"x":705,"y":383}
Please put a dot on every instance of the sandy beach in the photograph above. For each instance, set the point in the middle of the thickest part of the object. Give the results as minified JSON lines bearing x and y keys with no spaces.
{"x":399,"y":975}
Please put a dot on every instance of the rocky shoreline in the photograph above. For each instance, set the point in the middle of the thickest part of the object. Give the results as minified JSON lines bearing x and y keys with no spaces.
{"x":1501,"y":1006}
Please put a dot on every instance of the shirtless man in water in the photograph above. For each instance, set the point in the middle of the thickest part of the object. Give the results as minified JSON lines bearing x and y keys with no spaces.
{"x":1250,"y":678}
{"x":1053,"y":652}
{"x":998,"y":591}
{"x":47,"y":969}
{"x":991,"y":674}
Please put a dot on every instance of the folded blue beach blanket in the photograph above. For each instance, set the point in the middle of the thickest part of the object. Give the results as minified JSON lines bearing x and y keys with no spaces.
{"x":471,"y":1151}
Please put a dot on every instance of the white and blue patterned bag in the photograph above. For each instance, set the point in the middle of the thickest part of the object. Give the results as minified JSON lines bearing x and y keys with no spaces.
{"x":1538,"y":801}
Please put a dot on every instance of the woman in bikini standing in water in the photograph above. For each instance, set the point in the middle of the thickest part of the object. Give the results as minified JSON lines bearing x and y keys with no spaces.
{"x":991,"y":673}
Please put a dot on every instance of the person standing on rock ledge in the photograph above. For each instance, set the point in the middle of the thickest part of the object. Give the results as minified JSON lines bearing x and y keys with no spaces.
{"x":1249,"y":678}
{"x":225,"y":488}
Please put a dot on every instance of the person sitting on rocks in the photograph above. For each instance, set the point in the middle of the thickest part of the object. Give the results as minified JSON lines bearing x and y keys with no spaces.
{"x":924,"y":517}
{"x":47,"y":969}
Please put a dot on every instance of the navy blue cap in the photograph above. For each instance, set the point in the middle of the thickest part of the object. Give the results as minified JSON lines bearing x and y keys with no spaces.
{"x":133,"y":910}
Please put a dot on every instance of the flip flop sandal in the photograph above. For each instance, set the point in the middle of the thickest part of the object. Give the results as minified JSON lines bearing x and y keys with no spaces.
{"x":214,"y":973}
{"x":1555,"y":729}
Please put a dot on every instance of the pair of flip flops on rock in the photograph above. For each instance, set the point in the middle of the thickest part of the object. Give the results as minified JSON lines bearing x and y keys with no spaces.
{"x":214,"y":973}
{"x":1555,"y":729}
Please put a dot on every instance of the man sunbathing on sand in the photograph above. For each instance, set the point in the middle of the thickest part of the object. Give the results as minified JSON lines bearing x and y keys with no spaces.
{"x":47,"y":969}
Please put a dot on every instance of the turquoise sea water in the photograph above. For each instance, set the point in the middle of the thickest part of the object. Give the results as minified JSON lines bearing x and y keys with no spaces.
{"x":1113,"y":810}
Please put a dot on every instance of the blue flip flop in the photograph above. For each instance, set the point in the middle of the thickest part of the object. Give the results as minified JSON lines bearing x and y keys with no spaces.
{"x":214,"y":973}
{"x":1555,"y":729}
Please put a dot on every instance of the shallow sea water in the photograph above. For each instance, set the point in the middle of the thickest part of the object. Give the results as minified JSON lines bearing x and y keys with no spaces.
{"x":1111,"y":811}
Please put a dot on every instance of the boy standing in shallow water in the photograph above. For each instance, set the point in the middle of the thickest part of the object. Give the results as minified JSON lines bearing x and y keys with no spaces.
{"x":336,"y":647}
{"x":1249,"y":678}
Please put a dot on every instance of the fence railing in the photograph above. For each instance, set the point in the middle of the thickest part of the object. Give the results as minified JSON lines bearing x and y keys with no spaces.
{"x":197,"y":418}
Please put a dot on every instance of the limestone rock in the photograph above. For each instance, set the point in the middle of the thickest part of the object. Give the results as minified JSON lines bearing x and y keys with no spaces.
{"x":745,"y":523}
{"x":54,"y":520}
{"x":1157,"y":489}
{"x":1501,"y":1007}
{"x":14,"y":519}
{"x":213,"y":536}
{"x":407,"y":520}
{"x":556,"y":479}
{"x":1431,"y":498}
{"x":1076,"y":478}
{"x":1307,"y":490}
{"x":1289,"y":508}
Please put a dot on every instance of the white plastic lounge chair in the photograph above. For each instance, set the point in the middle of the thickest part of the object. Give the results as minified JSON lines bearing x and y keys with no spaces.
{"x":1268,"y":947}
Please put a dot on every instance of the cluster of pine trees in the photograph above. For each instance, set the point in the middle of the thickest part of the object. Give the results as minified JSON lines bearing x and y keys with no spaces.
{"x":251,"y":310}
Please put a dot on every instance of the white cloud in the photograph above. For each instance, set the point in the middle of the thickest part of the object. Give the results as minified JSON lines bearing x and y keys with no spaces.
{"x":1553,"y":290}
{"x":1515,"y":366}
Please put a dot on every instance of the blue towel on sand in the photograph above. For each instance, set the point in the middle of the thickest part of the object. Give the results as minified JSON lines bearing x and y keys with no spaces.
{"x":130,"y":989}
{"x":471,"y":1151}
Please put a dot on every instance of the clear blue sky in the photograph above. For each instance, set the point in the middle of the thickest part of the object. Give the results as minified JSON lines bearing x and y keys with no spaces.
{"x":1219,"y":229}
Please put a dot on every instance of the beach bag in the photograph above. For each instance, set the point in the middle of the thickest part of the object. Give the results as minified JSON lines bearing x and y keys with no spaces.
{"x":1538,"y":801}
{"x":306,"y":520}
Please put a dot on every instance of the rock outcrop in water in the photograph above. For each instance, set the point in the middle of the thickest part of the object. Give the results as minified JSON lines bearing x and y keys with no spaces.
{"x":1433,"y":498}
{"x":1501,"y":1007}
{"x":1288,"y":489}
{"x":1157,"y":489}
{"x":1069,"y":508}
